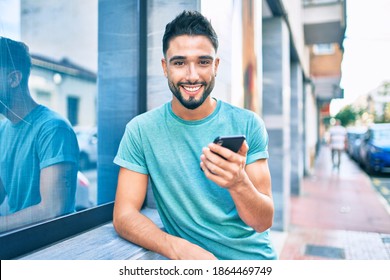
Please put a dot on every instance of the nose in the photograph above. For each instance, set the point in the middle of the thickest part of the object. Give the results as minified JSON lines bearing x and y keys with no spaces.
{"x":192,"y":73}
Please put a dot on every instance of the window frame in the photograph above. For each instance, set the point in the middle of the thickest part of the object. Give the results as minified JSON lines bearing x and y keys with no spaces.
{"x":16,"y":243}
{"x":20,"y":242}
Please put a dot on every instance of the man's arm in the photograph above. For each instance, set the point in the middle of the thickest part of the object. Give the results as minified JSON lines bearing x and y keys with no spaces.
{"x":137,"y":228}
{"x":57,"y":189}
{"x":249,"y":185}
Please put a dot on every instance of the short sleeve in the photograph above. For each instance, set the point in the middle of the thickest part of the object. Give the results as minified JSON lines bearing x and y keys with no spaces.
{"x":130,"y":153}
{"x":257,"y":140}
{"x":57,"y":143}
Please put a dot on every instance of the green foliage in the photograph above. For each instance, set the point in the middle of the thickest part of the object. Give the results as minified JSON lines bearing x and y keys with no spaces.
{"x":348,"y":115}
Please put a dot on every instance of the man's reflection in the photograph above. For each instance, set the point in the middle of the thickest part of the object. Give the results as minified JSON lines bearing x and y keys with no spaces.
{"x":38,"y":148}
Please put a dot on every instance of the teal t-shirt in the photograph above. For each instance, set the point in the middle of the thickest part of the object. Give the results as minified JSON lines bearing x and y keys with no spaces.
{"x":41,"y":139}
{"x":168,"y":149}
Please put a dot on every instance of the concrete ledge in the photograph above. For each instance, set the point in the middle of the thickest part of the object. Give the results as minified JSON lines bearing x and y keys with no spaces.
{"x":101,"y":243}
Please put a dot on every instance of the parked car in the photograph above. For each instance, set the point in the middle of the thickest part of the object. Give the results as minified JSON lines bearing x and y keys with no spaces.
{"x":82,"y":192}
{"x":354,"y":139}
{"x":87,"y":139}
{"x":375,"y":149}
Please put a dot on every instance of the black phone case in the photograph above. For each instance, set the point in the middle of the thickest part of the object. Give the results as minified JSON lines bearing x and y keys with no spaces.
{"x":233,"y":143}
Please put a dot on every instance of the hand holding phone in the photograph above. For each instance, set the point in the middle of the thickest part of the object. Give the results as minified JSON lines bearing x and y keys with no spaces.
{"x":233,"y":142}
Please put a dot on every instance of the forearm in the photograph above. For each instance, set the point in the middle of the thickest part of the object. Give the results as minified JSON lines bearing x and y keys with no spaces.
{"x":132,"y":225}
{"x":140,"y":230}
{"x":254,"y":208}
{"x":27,"y":216}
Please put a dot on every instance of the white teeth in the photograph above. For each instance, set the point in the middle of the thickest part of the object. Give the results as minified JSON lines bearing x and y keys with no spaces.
{"x":192,"y":89}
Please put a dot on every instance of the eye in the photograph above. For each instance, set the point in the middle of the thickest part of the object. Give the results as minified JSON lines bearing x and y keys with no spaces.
{"x":205,"y":62}
{"x":178,"y":63}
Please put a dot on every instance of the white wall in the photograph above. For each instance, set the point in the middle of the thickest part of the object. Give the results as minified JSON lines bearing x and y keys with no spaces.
{"x":311,"y":128}
{"x":226,"y":18}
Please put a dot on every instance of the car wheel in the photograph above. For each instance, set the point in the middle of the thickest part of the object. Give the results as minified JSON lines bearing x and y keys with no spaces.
{"x":370,"y":170}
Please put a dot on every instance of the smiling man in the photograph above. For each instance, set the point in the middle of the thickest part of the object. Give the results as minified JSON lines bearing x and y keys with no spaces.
{"x":222,"y":210}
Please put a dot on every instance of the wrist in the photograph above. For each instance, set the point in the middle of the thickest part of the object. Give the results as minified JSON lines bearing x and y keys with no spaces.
{"x":241,"y":185}
{"x":172,"y":247}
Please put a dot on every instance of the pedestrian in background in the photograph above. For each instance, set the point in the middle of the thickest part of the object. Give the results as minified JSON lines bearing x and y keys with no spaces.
{"x":337,"y":141}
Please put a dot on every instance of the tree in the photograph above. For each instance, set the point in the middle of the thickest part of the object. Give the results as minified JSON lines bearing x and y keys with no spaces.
{"x":348,"y":115}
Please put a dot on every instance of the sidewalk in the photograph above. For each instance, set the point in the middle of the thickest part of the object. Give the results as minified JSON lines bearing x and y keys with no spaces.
{"x":338,"y":215}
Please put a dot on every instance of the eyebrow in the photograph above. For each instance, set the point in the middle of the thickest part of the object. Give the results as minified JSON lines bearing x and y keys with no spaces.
{"x":180,"y":57}
{"x":177,"y":57}
{"x":206,"y":57}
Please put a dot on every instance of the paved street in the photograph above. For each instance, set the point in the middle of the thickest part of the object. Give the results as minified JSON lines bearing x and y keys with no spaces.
{"x":382,"y":185}
{"x":339,"y":215}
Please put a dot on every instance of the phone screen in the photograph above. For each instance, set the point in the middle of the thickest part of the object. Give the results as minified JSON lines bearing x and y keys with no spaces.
{"x":233,"y":142}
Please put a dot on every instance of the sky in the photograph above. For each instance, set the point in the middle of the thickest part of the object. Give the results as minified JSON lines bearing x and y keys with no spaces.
{"x":366,"y":61}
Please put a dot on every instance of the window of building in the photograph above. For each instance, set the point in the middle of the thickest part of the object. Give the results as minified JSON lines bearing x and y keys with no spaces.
{"x":73,"y":109}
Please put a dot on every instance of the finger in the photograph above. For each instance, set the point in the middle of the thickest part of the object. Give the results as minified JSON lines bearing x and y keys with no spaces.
{"x":213,"y":157}
{"x":222,"y":151}
{"x":211,"y":166}
{"x":216,"y":178}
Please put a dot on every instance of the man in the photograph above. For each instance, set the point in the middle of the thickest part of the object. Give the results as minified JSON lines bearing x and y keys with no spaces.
{"x":338,"y":137}
{"x":38,"y":148}
{"x":222,"y":210}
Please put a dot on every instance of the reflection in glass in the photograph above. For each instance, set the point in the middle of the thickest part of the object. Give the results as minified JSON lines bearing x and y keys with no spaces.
{"x":63,"y":80}
{"x":38,"y":148}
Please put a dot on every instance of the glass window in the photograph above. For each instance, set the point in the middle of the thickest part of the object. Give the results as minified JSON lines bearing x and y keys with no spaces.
{"x":48,"y":89}
{"x":56,"y":148}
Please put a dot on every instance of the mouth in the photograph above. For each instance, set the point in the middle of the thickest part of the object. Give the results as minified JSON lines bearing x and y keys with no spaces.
{"x":192,"y":90}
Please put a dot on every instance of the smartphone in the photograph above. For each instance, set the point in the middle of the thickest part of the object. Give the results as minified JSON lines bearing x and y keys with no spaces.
{"x":233,"y":142}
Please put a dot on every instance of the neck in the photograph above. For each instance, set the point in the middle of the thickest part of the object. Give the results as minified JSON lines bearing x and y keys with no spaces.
{"x":204,"y":110}
{"x":21,"y":105}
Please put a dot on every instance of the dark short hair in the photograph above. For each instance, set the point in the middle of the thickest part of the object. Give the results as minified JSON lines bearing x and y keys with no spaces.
{"x":15,"y":55}
{"x":189,"y":23}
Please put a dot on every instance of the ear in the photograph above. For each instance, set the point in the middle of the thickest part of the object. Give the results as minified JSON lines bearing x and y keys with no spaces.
{"x":15,"y":78}
{"x":164,"y":66}
{"x":216,"y":64}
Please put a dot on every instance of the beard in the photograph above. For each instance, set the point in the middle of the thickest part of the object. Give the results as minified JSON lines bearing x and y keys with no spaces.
{"x":192,"y":103}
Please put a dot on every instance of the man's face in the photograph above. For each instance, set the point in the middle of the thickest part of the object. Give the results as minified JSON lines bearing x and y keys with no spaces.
{"x":190,"y":65}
